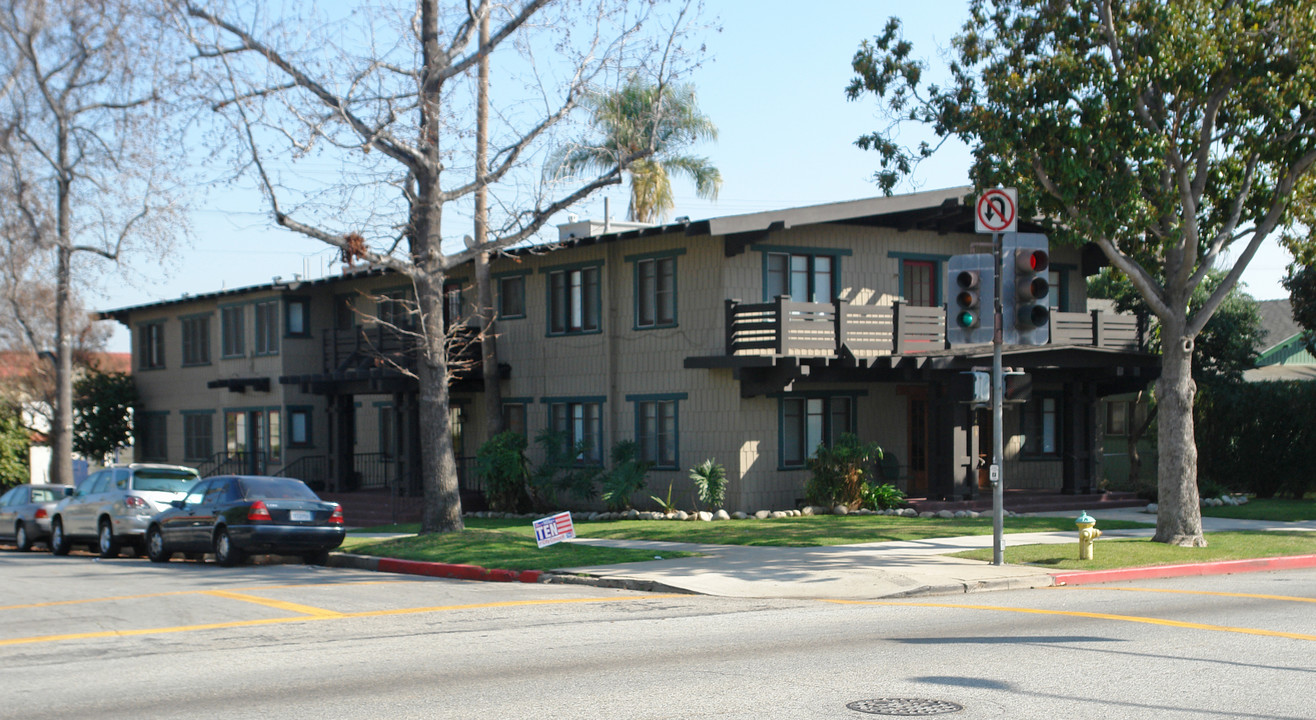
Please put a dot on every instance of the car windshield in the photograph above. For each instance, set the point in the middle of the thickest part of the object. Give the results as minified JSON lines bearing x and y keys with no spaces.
{"x":163,"y":480}
{"x":272,"y":488}
{"x":42,"y":495}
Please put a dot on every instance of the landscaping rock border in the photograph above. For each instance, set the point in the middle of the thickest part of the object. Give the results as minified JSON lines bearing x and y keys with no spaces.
{"x":1208,"y":502}
{"x":705,"y":516}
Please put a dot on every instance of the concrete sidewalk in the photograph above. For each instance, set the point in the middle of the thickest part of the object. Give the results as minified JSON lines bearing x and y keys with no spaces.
{"x":879,"y":570}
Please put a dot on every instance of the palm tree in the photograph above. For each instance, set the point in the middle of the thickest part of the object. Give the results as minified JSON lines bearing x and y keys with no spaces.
{"x":657,"y":122}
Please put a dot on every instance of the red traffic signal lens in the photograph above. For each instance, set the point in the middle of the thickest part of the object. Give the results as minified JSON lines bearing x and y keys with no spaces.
{"x":966,"y":279}
{"x":1032,"y":260}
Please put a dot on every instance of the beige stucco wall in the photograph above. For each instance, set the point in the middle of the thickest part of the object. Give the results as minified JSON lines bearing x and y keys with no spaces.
{"x":620,"y":361}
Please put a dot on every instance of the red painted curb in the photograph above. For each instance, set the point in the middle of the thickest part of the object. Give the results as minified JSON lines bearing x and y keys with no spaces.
{"x":452,"y":570}
{"x":1224,"y":567}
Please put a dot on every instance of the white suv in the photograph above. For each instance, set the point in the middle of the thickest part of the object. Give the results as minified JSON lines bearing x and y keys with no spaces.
{"x":112,"y":507}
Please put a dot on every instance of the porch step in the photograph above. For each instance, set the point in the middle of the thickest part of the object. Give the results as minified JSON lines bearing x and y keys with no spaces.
{"x":1024,"y":501}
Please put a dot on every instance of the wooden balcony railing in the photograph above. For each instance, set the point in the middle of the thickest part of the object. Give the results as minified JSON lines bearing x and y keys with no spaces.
{"x":784,"y":327}
{"x":380,"y":345}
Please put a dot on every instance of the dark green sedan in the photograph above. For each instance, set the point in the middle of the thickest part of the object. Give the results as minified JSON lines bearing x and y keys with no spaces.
{"x":235,"y":516}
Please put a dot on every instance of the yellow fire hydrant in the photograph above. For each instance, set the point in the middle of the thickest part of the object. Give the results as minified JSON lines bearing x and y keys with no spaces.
{"x":1087,"y":535}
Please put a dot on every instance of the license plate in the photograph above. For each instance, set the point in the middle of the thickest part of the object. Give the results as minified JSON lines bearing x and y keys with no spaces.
{"x":299,"y":515}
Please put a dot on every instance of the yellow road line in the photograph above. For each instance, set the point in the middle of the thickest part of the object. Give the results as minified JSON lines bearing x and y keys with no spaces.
{"x":54,"y":603}
{"x":277,"y":604}
{"x":310,"y":618}
{"x":1252,"y":596}
{"x":1094,"y":616}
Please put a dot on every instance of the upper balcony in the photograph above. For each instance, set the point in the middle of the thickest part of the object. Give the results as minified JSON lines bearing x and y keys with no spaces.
{"x":784,"y":328}
{"x":377,"y":357}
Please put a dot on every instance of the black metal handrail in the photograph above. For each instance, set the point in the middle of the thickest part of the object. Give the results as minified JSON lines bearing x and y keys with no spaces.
{"x":312,"y":470}
{"x":242,"y":462}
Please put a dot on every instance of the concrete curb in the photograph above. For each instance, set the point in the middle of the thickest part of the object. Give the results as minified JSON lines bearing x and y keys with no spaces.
{"x":432,"y":569}
{"x":1223,"y":567}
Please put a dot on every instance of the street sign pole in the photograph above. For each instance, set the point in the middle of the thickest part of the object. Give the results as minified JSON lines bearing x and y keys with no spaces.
{"x":995,"y":474}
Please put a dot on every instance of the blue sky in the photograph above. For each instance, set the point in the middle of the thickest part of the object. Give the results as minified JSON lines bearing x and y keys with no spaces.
{"x":773,"y":82}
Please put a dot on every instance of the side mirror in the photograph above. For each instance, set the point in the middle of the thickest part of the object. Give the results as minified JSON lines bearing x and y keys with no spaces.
{"x":177,"y":503}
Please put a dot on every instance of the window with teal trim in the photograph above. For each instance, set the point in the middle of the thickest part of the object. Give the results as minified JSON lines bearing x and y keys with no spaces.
{"x":152,"y":436}
{"x":232,"y":336}
{"x":580,"y":423}
{"x":656,"y":432}
{"x":511,"y":297}
{"x":807,"y":422}
{"x":574,"y":305}
{"x":196,"y":340}
{"x":655,"y":292}
{"x":198,"y":436}
{"x":804,"y":277}
{"x":267,"y":327}
{"x":1041,"y":420}
{"x":150,"y":346}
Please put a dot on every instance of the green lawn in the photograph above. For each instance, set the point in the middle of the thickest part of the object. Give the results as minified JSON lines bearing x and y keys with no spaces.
{"x":1125,"y":553}
{"x":1272,"y":509}
{"x":788,"y":532}
{"x":510,"y":544}
{"x":496,"y":549}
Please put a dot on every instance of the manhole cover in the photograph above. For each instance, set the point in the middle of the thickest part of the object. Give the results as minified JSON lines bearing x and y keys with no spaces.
{"x":904,"y":706}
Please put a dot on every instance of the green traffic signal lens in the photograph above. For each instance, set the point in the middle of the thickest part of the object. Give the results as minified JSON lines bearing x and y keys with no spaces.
{"x":966,"y":319}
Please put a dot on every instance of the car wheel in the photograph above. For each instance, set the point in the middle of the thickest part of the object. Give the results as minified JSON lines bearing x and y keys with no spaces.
{"x":107,"y":545}
{"x":59,"y":542}
{"x":155,"y":546}
{"x":225,"y":552}
{"x":21,"y":538}
{"x":319,"y":557}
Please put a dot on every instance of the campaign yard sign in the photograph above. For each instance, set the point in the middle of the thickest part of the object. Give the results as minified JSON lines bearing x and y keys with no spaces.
{"x":554,"y":529}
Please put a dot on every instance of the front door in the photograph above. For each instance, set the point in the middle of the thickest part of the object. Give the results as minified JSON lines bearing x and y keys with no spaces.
{"x":916,"y":445}
{"x":246,"y":439}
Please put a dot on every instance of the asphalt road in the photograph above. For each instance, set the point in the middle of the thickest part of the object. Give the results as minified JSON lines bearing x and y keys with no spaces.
{"x":128,"y":639}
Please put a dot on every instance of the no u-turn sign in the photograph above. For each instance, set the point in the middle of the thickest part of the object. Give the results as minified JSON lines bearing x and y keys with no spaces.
{"x":997,"y":211}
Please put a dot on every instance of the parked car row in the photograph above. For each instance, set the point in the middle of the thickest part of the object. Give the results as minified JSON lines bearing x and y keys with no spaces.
{"x":162,"y":510}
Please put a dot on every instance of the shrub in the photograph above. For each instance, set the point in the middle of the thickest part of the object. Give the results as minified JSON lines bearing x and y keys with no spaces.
{"x":501,"y":462}
{"x":627,"y":476}
{"x":560,"y":472}
{"x":1256,"y":437}
{"x":881,"y":497}
{"x":710,"y":480}
{"x":840,"y":471}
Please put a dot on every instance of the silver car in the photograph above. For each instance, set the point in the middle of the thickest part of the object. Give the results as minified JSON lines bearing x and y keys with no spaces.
{"x":25,"y":513}
{"x":112,"y":507}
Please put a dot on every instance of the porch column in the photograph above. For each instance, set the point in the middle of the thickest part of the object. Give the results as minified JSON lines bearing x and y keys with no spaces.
{"x":342,"y":410}
{"x":953,"y":455}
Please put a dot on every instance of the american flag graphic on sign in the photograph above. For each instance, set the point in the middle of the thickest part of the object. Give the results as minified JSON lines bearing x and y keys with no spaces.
{"x":554,"y":528}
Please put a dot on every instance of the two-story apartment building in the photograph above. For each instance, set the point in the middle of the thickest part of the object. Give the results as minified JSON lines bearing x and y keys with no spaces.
{"x":749,"y":339}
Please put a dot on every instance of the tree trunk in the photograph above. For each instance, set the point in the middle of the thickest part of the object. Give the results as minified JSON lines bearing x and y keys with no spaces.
{"x":438,"y":466}
{"x":485,"y":315}
{"x":61,"y":425}
{"x":1179,"y":518}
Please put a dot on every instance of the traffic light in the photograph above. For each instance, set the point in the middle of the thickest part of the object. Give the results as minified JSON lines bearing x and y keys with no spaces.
{"x":971,"y":282}
{"x":1024,"y":307}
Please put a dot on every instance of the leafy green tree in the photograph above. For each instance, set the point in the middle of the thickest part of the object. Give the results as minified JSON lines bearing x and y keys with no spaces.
{"x":655,"y":123}
{"x":1171,"y":134}
{"x":1228,"y":343}
{"x":102,"y":406}
{"x":1226,"y":347}
{"x":14,"y":447}
{"x":1301,"y":284}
